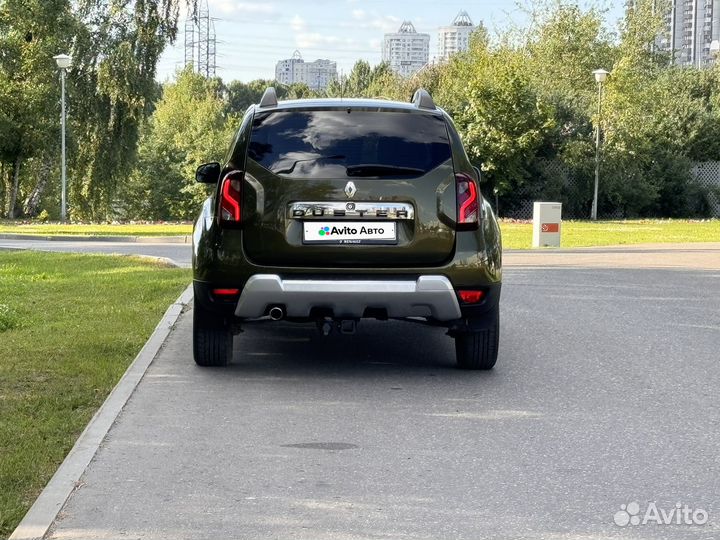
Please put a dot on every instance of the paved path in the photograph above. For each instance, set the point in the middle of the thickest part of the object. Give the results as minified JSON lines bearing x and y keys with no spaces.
{"x":696,"y":255}
{"x":701,"y":255}
{"x":606,"y":392}
{"x":180,"y":254}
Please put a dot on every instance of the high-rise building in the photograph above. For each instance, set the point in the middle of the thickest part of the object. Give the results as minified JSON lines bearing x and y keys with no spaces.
{"x":317,"y":75}
{"x":406,"y":50}
{"x":692,"y":31}
{"x":456,"y":37}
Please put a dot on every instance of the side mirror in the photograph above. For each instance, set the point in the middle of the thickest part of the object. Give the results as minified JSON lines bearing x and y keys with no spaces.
{"x":209,"y":173}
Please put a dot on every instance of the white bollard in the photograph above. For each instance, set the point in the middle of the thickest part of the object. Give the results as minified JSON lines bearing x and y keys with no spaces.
{"x":547,"y":220}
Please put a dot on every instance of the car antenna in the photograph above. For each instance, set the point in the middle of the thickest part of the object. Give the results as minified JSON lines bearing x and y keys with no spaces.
{"x":422,"y":100}
{"x":269,"y":98}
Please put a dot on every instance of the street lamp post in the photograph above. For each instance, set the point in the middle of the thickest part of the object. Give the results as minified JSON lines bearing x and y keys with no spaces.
{"x":600,"y":77}
{"x":63,"y":62}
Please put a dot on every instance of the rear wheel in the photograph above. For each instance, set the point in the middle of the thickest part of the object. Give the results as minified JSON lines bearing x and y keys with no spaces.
{"x":478,"y":349}
{"x":212,"y":338}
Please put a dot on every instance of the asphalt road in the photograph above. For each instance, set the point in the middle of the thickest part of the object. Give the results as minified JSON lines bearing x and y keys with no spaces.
{"x":605,"y":393}
{"x":180,"y":254}
{"x":690,"y":256}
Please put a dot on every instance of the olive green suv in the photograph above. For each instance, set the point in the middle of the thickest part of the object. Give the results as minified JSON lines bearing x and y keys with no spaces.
{"x":335,"y":210}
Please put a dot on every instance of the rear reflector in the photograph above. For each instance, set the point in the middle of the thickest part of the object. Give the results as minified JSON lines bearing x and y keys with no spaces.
{"x":231,"y":197}
{"x":225,"y":293}
{"x":471,"y":297}
{"x":467,"y":200}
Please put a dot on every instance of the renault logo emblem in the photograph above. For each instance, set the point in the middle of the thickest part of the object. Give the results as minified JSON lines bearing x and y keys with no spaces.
{"x":350,"y":190}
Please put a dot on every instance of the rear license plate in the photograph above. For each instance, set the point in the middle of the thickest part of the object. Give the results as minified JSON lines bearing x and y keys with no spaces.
{"x":349,"y":232}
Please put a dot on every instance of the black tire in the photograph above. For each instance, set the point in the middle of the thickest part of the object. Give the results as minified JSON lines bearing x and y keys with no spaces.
{"x":212,"y":339}
{"x":478,"y":349}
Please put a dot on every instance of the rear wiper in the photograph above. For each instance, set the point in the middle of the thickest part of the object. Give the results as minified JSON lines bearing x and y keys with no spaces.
{"x":373,"y":169}
{"x":292,"y":167}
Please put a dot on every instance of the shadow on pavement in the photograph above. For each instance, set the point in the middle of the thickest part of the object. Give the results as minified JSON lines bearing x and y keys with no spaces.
{"x":377,"y":347}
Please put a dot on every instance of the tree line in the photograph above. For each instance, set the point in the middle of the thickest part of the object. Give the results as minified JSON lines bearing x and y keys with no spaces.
{"x":115,"y":46}
{"x":520,"y":100}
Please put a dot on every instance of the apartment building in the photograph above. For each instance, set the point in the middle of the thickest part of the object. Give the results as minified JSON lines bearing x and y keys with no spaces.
{"x":455,"y":37}
{"x":406,"y":50}
{"x":692,"y":31}
{"x":317,"y":75}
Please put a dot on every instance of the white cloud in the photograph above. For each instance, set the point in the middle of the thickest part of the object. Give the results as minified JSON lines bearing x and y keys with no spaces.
{"x":232,"y":7}
{"x":307,"y":38}
{"x":386,"y":23}
{"x":373,"y":20}
{"x":298,"y":23}
{"x":314,"y":39}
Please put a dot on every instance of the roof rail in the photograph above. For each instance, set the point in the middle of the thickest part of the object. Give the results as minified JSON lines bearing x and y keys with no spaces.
{"x":269,"y":98}
{"x":422,"y":100}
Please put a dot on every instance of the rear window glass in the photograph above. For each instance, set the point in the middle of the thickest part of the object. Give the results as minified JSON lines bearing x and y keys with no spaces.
{"x":338,"y":143}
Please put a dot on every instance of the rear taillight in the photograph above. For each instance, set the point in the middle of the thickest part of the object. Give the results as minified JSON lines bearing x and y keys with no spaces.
{"x":468,"y":201}
{"x":231,"y":198}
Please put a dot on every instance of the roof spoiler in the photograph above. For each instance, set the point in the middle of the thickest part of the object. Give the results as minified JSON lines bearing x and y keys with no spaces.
{"x":422,"y":100}
{"x":269,"y":98}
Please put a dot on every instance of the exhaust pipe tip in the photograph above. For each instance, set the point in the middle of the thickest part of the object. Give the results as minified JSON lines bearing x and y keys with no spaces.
{"x":276,"y":313}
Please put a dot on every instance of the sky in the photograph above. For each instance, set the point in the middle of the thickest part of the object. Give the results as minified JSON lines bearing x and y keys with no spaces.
{"x":254,"y":35}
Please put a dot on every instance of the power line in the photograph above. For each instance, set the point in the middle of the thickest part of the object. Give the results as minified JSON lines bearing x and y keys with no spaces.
{"x":201,"y":53}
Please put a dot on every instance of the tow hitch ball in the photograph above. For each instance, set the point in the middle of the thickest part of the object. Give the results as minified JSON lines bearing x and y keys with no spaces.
{"x":325,"y":327}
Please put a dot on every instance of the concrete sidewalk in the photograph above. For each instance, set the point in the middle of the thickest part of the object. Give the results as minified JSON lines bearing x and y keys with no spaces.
{"x":691,"y":256}
{"x":80,"y":238}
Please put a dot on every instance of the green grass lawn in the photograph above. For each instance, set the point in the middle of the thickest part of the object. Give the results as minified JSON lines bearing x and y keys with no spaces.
{"x":613,"y":233}
{"x":69,"y":327}
{"x":89,"y":229}
{"x":515,"y":235}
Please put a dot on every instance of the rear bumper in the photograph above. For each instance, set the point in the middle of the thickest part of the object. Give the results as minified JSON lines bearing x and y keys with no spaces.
{"x":428,"y":296}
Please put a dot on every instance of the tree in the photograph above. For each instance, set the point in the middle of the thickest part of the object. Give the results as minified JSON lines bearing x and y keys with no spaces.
{"x":502,"y":118}
{"x":565,"y":44}
{"x":113,"y":87}
{"x":189,"y":127}
{"x":385,"y":84}
{"x":657,"y":119}
{"x":31,"y":33}
{"x":359,"y":79}
{"x":365,"y":82}
{"x":115,"y":46}
{"x":241,"y":95}
{"x":299,"y":91}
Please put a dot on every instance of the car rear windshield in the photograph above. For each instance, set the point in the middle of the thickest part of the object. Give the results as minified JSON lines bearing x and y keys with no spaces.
{"x":349,"y":143}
